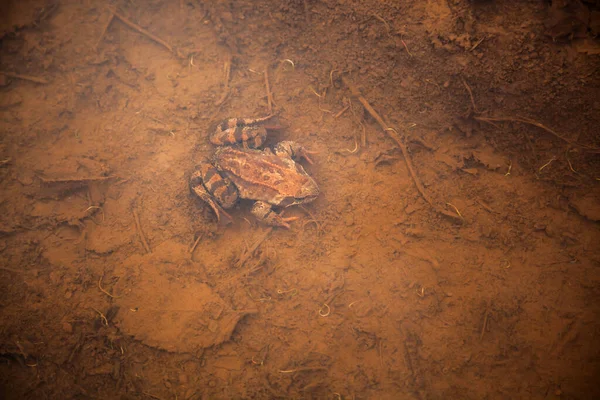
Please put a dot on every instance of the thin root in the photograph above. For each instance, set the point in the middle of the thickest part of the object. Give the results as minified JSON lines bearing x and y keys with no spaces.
{"x":287,"y":60}
{"x":331,"y":76}
{"x":302,"y":369}
{"x":530,"y":121}
{"x":96,"y":208}
{"x":455,"y":209}
{"x":387,"y":26}
{"x":545,"y":165}
{"x":466,"y":85}
{"x":509,"y":169}
{"x":569,"y":161}
{"x":103,"y":290}
{"x":104,"y":320}
{"x":291,"y":291}
{"x":406,"y":47}
{"x":314,"y":91}
{"x":355,"y":147}
{"x":321,"y":310}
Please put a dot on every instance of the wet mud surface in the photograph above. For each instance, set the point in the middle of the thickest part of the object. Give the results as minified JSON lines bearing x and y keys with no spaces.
{"x":461,"y":266}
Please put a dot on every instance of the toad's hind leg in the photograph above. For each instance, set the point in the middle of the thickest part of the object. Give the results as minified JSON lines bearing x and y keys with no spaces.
{"x":212,"y":188}
{"x":249,"y":136}
{"x":264,"y":212}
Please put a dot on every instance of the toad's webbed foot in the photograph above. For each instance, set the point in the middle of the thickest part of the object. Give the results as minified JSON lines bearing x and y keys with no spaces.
{"x":264,"y":212}
{"x":294,"y":150}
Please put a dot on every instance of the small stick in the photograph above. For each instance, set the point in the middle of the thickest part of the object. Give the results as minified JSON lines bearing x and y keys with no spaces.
{"x":478,"y":43}
{"x":269,"y":95}
{"x":529,"y":121}
{"x":302,"y":369}
{"x":399,"y":141}
{"x":136,"y":217}
{"x":74,"y":180}
{"x":196,"y":243}
{"x":110,"y":19}
{"x":363,"y":135}
{"x":24,"y":77}
{"x":143,"y":31}
{"x":343,"y":110}
{"x":485,"y":320}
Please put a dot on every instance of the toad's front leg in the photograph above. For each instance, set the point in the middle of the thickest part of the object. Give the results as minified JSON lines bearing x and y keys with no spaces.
{"x":293,"y":150}
{"x":218,"y":192}
{"x":264,"y":212}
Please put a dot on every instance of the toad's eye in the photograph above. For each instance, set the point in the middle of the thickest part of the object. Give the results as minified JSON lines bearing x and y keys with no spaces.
{"x":266,"y":178}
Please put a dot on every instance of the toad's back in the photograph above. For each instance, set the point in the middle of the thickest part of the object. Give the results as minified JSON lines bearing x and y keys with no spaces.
{"x":264,"y":176}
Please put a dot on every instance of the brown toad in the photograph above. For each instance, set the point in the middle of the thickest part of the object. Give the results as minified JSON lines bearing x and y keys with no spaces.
{"x":269,"y":178}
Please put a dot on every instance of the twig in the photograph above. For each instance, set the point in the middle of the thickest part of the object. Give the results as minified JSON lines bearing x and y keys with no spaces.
{"x":110,"y":19}
{"x":529,"y":121}
{"x":136,"y":217}
{"x":24,"y":77}
{"x":399,"y":141}
{"x":478,"y":43}
{"x":196,"y":243}
{"x":143,"y":31}
{"x":74,"y":180}
{"x":269,"y":95}
{"x":302,"y":369}
{"x":343,"y":110}
{"x":485,"y":320}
